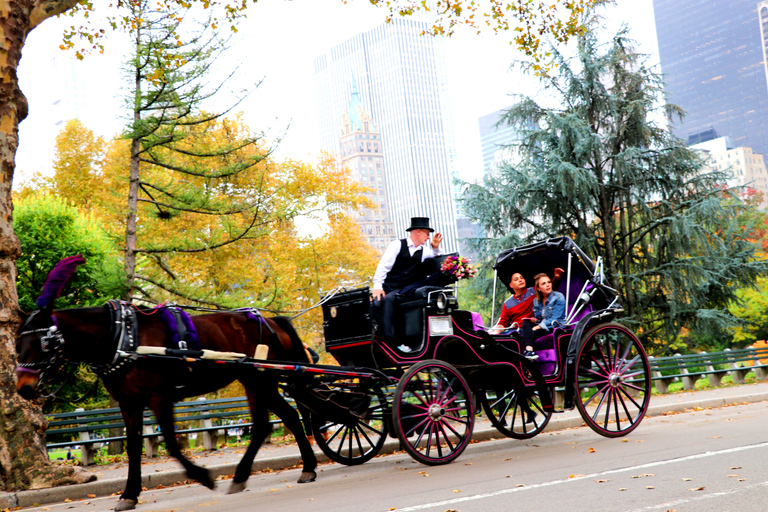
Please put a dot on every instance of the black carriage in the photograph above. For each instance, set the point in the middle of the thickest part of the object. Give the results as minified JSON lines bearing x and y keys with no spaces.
{"x":443,"y":365}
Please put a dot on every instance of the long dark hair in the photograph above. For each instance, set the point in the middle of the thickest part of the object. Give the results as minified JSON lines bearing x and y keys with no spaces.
{"x":539,"y":295}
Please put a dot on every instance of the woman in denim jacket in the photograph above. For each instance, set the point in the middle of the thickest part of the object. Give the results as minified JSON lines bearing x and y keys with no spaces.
{"x":548,"y":310}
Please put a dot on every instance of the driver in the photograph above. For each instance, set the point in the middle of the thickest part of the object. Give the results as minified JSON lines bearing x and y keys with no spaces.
{"x":400,"y":266}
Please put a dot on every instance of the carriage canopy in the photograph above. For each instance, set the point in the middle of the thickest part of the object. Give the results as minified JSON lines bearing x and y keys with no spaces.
{"x":582,"y":274}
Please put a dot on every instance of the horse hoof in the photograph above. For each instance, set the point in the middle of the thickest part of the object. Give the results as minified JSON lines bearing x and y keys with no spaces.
{"x":307,"y":476}
{"x":236,"y":487}
{"x":125,"y":504}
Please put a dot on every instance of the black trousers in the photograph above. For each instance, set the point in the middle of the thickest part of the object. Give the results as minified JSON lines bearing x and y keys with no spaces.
{"x":384,"y":312}
{"x":529,"y":335}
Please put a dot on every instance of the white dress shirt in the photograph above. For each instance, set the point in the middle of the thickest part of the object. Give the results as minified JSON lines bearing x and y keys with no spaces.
{"x":390,"y":255}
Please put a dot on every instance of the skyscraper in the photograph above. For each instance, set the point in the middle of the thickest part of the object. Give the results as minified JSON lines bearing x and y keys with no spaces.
{"x":495,"y":139}
{"x":396,"y":73}
{"x":360,"y":138}
{"x":714,"y":68}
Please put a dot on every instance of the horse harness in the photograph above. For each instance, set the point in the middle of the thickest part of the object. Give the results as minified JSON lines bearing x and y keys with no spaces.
{"x":124,"y":333}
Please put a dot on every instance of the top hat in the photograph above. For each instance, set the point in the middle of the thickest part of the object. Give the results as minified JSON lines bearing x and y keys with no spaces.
{"x":420,"y":223}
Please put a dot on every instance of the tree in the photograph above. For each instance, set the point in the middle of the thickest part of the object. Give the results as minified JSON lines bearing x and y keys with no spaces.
{"x":599,"y":169}
{"x":49,"y":229}
{"x":22,"y":453}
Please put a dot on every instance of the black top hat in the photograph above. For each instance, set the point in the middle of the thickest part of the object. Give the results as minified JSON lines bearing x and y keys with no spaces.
{"x":420,"y":223}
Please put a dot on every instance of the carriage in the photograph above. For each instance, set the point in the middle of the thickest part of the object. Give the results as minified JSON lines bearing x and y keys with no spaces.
{"x":444,"y":365}
{"x":423,"y":388}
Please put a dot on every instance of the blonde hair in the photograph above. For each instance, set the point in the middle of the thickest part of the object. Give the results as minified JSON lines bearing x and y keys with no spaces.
{"x":539,"y":295}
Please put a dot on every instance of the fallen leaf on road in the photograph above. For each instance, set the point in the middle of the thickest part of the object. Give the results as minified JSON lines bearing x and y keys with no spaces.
{"x":520,"y":485}
{"x":289,"y":486}
{"x":591,"y":450}
{"x":649,"y":487}
{"x":67,"y":500}
{"x":733,"y":476}
{"x":273,"y":490}
{"x":91,"y":495}
{"x":698,"y":488}
{"x":467,"y":463}
{"x":622,"y":488}
{"x":602,"y":481}
{"x":717,"y":437}
{"x":625,"y":440}
{"x":576,"y":476}
{"x":457,"y":490}
{"x":687,"y":479}
{"x":735,"y":467}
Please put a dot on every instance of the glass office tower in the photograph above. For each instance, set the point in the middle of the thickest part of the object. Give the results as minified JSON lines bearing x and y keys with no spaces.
{"x":712,"y":60}
{"x":399,"y":84}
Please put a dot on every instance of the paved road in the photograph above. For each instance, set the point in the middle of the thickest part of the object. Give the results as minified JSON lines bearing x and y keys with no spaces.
{"x":543,"y":473}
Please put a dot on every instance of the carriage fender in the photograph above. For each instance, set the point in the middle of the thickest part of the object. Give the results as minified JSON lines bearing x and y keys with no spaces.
{"x":573,"y":352}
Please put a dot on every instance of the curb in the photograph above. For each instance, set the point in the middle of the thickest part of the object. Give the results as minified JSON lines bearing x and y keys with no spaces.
{"x":102,"y":488}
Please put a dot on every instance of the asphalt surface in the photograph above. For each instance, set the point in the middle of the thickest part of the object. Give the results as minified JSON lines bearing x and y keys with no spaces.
{"x":165,"y":471}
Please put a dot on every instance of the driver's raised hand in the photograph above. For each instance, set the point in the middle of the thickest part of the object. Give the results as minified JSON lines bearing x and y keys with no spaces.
{"x":437,"y":239}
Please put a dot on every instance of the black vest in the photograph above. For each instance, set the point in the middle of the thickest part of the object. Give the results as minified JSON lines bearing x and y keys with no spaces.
{"x":406,"y":270}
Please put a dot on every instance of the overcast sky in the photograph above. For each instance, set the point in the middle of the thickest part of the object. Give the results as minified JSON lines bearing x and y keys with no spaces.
{"x":277,"y":43}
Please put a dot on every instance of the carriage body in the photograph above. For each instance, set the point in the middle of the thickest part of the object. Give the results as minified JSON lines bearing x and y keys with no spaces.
{"x":595,"y":364}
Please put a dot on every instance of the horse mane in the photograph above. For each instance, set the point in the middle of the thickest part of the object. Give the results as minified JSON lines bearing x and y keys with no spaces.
{"x":57,"y":279}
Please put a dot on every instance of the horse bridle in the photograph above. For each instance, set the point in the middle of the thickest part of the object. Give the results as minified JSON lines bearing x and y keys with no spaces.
{"x":51,"y":342}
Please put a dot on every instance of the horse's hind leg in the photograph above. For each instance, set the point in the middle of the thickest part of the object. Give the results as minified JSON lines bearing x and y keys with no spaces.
{"x":163,"y":410}
{"x":132,"y":416}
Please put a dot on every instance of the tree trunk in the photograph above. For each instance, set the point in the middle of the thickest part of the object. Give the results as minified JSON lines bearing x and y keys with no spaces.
{"x":24,"y":460}
{"x":133,"y":188}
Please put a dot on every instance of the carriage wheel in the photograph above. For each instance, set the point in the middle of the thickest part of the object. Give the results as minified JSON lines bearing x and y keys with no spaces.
{"x":359,"y":441}
{"x":515,"y":418}
{"x":614,"y":380}
{"x":433,"y":412}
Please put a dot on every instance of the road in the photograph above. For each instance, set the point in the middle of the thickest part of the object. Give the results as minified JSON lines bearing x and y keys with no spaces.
{"x":708,"y":460}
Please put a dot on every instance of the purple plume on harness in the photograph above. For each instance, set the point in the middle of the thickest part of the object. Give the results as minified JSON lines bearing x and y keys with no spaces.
{"x":57,"y":279}
{"x":169,"y":319}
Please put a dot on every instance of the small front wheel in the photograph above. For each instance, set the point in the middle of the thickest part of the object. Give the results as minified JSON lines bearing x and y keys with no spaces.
{"x":433,"y":412}
{"x":514,"y":416}
{"x":613,"y":381}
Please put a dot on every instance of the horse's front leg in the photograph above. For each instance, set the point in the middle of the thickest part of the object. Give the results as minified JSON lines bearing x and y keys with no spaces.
{"x":163,"y":409}
{"x":132,"y":417}
{"x":278,"y":405}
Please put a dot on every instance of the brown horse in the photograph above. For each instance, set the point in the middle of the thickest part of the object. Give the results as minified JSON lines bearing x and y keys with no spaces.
{"x":47,"y":338}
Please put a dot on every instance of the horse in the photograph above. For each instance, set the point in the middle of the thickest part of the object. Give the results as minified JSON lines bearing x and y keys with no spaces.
{"x":47,"y":338}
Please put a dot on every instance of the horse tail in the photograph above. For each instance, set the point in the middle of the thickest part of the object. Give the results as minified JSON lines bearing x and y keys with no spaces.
{"x":299,"y":350}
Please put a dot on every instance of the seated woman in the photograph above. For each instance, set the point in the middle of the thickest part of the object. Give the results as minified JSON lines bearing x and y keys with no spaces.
{"x":548,"y":312}
{"x":519,"y":305}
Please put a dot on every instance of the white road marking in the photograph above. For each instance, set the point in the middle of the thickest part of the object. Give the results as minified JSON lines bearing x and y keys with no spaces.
{"x":702,"y":497}
{"x":584,"y":477}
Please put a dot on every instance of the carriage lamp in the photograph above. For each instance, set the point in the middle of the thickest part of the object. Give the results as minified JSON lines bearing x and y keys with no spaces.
{"x":442,"y":302}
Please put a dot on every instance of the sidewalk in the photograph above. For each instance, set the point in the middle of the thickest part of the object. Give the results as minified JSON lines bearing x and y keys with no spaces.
{"x":166,"y":471}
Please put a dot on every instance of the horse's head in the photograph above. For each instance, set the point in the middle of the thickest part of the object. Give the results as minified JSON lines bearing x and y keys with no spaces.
{"x":39,"y":347}
{"x":39,"y":344}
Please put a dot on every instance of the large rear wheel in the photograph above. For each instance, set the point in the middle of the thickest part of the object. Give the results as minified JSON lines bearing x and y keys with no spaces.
{"x":360,"y":439}
{"x":514,"y":416}
{"x":614,"y":380}
{"x":433,"y":412}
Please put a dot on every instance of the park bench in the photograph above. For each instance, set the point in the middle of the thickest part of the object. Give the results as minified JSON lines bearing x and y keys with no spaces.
{"x":715,"y":365}
{"x":89,"y":429}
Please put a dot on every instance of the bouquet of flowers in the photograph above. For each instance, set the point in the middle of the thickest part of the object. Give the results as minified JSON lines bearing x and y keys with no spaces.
{"x":456,"y":268}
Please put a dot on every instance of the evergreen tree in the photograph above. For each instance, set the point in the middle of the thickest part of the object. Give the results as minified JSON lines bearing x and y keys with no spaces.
{"x":600,"y":169}
{"x":181,"y":172}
